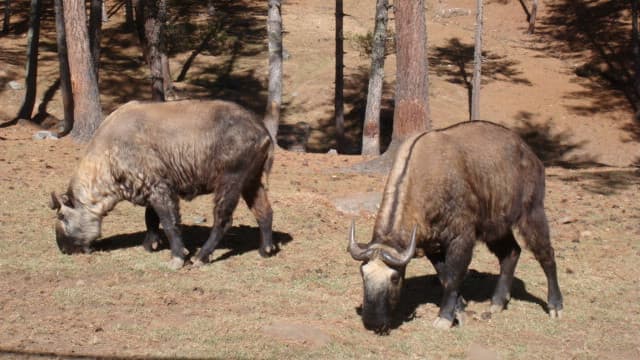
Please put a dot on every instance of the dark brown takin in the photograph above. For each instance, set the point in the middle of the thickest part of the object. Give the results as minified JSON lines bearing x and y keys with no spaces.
{"x":448,"y":189}
{"x":153,"y":154}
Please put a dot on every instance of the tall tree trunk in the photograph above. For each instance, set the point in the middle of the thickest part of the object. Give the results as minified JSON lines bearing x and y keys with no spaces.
{"x":167,"y":81}
{"x":65,"y":80}
{"x":154,"y":18}
{"x":128,"y":14}
{"x":139,"y":10}
{"x":635,"y":49}
{"x":274,"y":35}
{"x":339,"y":81}
{"x":87,"y":112}
{"x":371,"y":127}
{"x":411,"y":113}
{"x":477,"y":64}
{"x":532,"y":17}
{"x":95,"y":34}
{"x":7,"y":16}
{"x":33,"y":38}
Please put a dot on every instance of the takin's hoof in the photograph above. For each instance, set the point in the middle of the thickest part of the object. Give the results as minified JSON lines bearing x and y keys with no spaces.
{"x":555,"y":313}
{"x":152,"y":242}
{"x":442,"y":323}
{"x":175,"y":263}
{"x":496,"y":308}
{"x":267,"y":251}
{"x":197,"y":262}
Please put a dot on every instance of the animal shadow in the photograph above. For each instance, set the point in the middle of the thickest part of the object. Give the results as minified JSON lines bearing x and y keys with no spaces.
{"x":477,"y":287}
{"x":238,"y":240}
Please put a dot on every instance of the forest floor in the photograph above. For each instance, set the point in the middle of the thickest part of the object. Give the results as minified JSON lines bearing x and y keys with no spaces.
{"x":560,"y":88}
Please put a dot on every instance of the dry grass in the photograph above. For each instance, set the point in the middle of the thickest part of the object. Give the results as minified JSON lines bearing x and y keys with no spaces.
{"x":124,"y":302}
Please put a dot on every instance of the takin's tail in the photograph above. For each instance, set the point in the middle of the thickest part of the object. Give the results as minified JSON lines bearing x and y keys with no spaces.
{"x":269,"y":146}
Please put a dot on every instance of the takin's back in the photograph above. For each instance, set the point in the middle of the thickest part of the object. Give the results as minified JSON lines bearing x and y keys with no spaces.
{"x":186,"y":143}
{"x":470,"y":174}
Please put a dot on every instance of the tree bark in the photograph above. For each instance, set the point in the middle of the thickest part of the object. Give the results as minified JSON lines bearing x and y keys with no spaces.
{"x":95,"y":34}
{"x":635,"y":49}
{"x":477,"y":64}
{"x":128,"y":14}
{"x":274,"y":34}
{"x":371,"y":127}
{"x":87,"y":112}
{"x":339,"y":80}
{"x":31,"y":76}
{"x":411,"y":113}
{"x":139,"y":10}
{"x":7,"y":16}
{"x":532,"y":17}
{"x":154,"y":19}
{"x":65,"y":80}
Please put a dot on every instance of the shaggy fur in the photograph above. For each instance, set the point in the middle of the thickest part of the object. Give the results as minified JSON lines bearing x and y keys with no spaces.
{"x":152,"y":154}
{"x":474,"y":181}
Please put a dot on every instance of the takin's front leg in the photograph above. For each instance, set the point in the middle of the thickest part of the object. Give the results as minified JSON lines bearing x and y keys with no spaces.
{"x":451,"y":274}
{"x":166,"y":206}
{"x":152,"y":240}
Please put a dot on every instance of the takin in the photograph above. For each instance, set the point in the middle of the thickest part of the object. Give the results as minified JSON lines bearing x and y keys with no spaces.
{"x":448,"y":189}
{"x":153,"y":154}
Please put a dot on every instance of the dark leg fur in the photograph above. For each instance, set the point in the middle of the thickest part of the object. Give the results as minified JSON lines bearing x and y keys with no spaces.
{"x":225,"y":201}
{"x":258,"y":202}
{"x":507,"y":251}
{"x":152,"y":239}
{"x":452,"y":274}
{"x":165,"y":204}
{"x":535,"y":231}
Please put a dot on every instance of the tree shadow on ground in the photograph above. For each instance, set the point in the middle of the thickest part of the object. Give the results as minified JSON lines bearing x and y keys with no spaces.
{"x":605,"y":182}
{"x":356,"y":86}
{"x":237,"y":240}
{"x":477,"y":287}
{"x":454,"y":62}
{"x":598,"y":33}
{"x":554,"y":148}
{"x":235,"y":30}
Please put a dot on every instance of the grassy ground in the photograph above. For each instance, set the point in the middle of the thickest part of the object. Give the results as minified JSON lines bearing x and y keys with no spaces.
{"x":122,"y":301}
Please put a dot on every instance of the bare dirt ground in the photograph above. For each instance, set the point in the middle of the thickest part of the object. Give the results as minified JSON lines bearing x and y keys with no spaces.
{"x":561,"y":89}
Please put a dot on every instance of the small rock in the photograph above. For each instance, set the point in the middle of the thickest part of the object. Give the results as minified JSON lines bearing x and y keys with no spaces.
{"x":568,"y":220}
{"x":14,"y":85}
{"x":332,"y":152}
{"x":197,"y":219}
{"x":44,"y":134}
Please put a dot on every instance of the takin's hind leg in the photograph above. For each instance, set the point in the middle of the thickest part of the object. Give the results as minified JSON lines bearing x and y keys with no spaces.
{"x":507,"y":251}
{"x":152,"y":240}
{"x":535,"y":231}
{"x":256,"y":199}
{"x":225,"y":201}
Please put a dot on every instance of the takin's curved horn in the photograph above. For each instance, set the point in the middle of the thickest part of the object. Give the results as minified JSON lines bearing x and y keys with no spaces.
{"x":358,"y":252}
{"x":54,"y":202}
{"x":407,"y":254}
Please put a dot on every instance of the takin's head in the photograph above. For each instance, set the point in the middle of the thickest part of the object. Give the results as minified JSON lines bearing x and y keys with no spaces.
{"x":382,"y":273}
{"x":76,"y":226}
